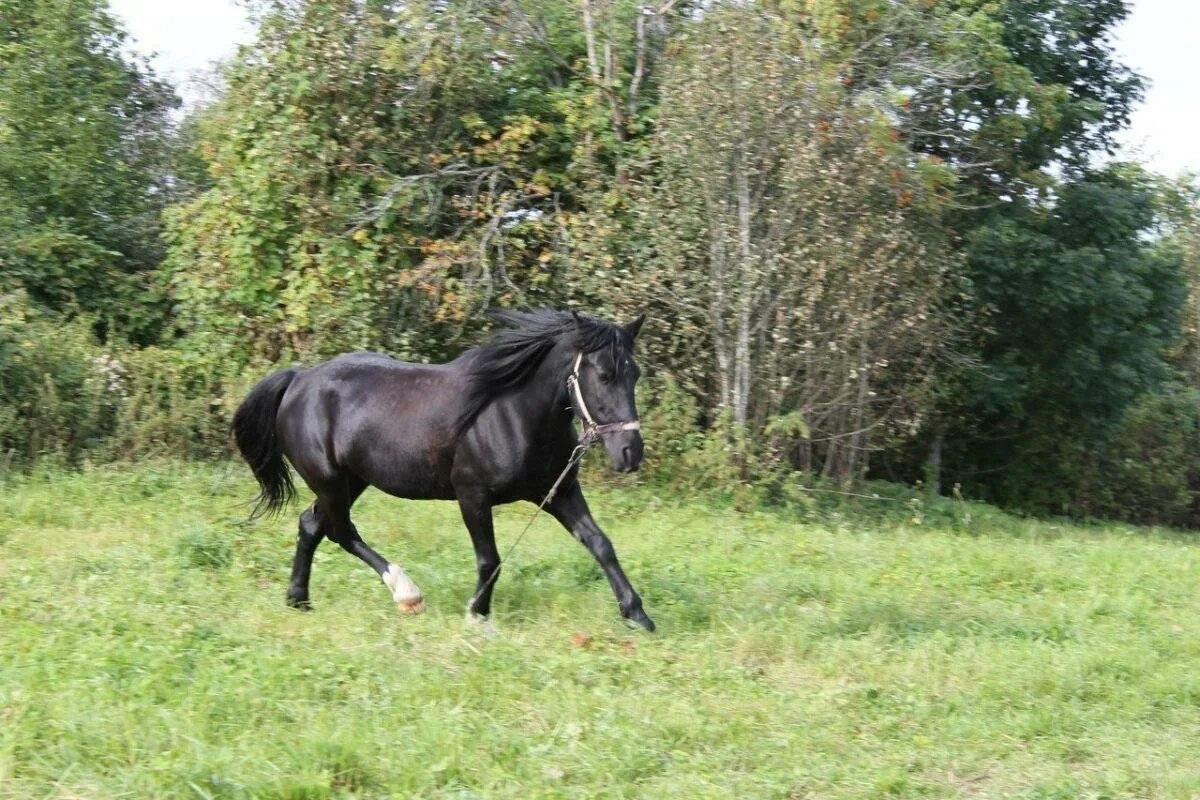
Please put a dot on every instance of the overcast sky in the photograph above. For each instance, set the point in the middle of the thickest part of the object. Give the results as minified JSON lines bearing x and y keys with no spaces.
{"x":1161,"y":40}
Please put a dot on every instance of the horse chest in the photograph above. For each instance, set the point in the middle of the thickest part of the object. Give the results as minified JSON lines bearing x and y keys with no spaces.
{"x":517,"y":473}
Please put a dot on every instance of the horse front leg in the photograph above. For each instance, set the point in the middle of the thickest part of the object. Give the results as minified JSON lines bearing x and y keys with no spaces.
{"x":476,"y":510}
{"x":570,"y":509}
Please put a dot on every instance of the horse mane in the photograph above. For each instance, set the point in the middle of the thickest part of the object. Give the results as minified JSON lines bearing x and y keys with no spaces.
{"x":516,"y":349}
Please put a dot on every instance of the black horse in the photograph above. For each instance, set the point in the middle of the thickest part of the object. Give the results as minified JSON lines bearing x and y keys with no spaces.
{"x":493,"y":426}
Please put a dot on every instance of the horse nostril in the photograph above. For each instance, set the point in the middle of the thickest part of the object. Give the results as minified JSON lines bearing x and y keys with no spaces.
{"x":626,"y":456}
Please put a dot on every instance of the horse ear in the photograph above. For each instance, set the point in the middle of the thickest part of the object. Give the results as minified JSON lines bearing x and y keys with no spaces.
{"x":578,"y":321}
{"x":635,"y":326}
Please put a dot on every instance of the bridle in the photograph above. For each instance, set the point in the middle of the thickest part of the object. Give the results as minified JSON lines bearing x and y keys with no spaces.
{"x":592,"y":430}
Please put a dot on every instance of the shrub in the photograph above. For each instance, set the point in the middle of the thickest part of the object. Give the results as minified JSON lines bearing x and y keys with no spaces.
{"x":176,"y":405}
{"x":1150,"y":470}
{"x":670,"y":424}
{"x":59,"y":389}
{"x":65,"y":396}
{"x":683,"y":454}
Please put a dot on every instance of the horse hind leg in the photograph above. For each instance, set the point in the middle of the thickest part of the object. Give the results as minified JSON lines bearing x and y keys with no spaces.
{"x":307,"y":539}
{"x":404,"y":591}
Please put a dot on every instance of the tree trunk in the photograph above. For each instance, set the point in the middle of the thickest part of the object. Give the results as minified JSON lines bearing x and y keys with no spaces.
{"x":933,"y":468}
{"x":747,"y":283}
{"x":716,"y":321}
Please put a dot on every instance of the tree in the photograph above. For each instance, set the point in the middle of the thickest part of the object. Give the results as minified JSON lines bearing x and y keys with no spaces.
{"x":85,"y":145}
{"x":1181,"y":201}
{"x":1013,"y":96}
{"x":796,"y":238}
{"x":999,"y":89}
{"x":1079,"y":310}
{"x":382,"y":174}
{"x":334,"y":156}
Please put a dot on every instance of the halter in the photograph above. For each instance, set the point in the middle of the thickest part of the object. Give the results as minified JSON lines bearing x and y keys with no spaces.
{"x":591,"y":428}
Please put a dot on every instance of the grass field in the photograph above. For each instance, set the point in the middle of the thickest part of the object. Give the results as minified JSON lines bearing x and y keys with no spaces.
{"x":145,"y":652}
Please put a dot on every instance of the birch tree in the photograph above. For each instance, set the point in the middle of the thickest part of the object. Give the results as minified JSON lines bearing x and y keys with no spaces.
{"x":794,"y":232}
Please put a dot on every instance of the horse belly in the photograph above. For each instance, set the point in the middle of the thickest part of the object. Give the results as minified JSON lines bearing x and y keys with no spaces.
{"x":411,"y":474}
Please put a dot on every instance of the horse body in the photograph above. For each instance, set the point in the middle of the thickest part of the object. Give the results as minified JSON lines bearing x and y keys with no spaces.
{"x":365,"y":415}
{"x":491,"y":427}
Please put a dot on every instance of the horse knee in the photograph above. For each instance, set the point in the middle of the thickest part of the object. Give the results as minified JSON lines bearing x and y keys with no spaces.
{"x":310,"y":525}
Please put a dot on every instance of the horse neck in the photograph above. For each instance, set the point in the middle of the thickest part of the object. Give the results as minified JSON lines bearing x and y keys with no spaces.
{"x":543,"y":400}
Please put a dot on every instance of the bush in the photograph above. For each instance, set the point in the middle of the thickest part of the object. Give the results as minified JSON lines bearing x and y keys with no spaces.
{"x":1150,"y":471}
{"x":176,"y":405}
{"x":67,"y":397}
{"x":722,"y":458}
{"x":670,"y":426}
{"x":59,"y":389}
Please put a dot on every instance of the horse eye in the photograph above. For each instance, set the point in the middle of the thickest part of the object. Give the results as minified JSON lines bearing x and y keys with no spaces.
{"x":605,"y":377}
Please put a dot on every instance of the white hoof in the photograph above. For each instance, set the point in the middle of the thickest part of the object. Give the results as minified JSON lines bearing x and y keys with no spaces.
{"x":480,"y":623}
{"x":406,"y":594}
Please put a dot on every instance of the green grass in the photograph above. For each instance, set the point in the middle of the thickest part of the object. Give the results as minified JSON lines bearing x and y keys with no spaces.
{"x":145,"y":652}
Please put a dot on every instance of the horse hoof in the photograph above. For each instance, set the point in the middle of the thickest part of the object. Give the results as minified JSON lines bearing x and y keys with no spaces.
{"x":481,"y":623}
{"x":299,"y":603}
{"x":640,"y":617}
{"x":406,"y":594}
{"x":411,"y":606}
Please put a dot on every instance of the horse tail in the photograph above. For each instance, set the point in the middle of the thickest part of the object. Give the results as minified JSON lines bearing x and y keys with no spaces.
{"x":254,"y":430}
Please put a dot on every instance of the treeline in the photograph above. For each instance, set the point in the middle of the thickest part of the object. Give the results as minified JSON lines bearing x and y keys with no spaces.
{"x":876,"y":239}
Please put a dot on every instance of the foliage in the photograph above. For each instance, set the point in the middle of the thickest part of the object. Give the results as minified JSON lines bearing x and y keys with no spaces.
{"x":65,"y":396}
{"x":1181,"y":201}
{"x":85,"y":151}
{"x":1080,"y":311}
{"x":380,"y":176}
{"x":61,"y":389}
{"x":1000,"y":90}
{"x":670,"y":418}
{"x":1149,"y":470}
{"x":178,"y":404}
{"x":868,"y":232}
{"x":267,"y":261}
{"x":796,"y":240}
{"x":1046,"y":89}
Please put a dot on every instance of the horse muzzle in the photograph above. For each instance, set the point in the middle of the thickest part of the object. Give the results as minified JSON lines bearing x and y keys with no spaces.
{"x":625,"y":450}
